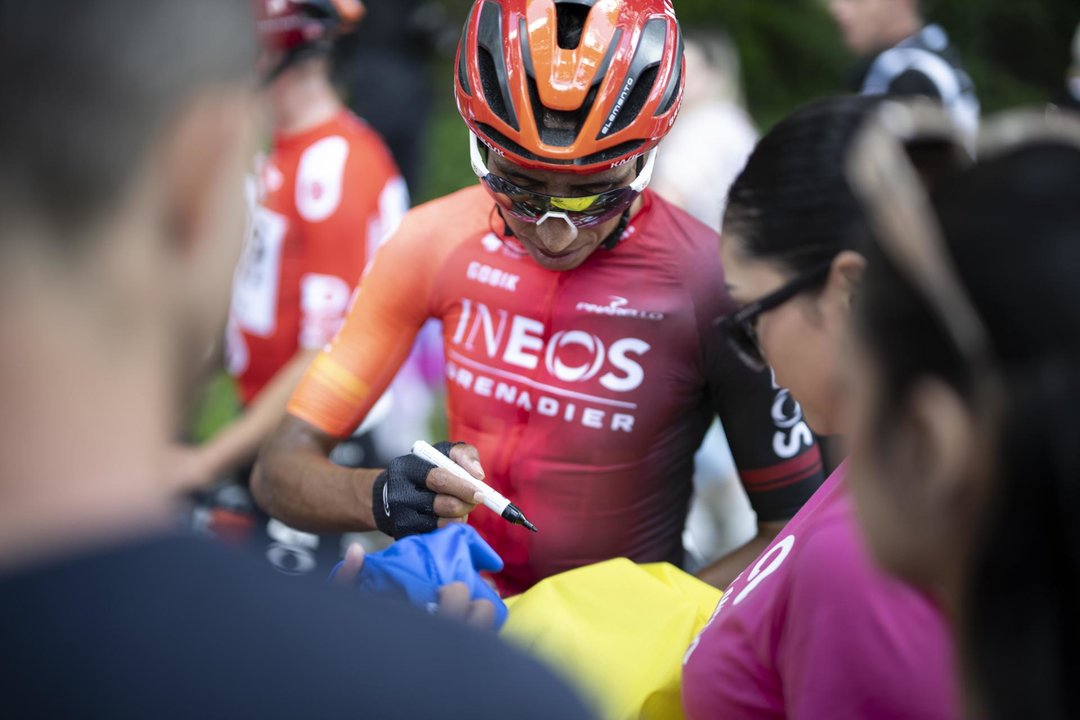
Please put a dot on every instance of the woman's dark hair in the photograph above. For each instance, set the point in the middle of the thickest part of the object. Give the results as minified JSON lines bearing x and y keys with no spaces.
{"x":1013,"y":229}
{"x":792,"y":203}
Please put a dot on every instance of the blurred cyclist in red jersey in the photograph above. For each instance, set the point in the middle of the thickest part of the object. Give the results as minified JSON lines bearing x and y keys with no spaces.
{"x":577,"y":308}
{"x":321,"y":200}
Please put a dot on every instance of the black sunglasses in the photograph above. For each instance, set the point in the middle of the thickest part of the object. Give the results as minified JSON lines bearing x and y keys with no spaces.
{"x":740,"y":327}
{"x":584,"y":211}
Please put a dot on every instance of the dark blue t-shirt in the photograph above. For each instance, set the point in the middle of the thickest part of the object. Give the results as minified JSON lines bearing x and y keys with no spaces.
{"x":176,"y":627}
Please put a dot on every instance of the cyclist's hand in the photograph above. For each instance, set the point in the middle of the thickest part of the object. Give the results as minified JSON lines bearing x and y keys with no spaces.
{"x":413,"y":496}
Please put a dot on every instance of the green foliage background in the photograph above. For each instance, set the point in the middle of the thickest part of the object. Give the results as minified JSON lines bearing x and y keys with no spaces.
{"x":1016,"y":50}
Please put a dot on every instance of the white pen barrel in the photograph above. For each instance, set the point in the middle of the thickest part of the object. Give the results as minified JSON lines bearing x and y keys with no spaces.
{"x":495,"y":501}
{"x":492,"y":499}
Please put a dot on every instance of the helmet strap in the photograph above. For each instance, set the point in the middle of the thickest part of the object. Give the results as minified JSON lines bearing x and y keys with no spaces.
{"x":617,"y":234}
{"x":296,"y":55}
{"x":506,"y":232}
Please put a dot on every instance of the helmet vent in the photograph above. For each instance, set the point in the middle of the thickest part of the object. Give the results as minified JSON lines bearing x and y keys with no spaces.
{"x":635,"y":101}
{"x":639,"y":79}
{"x":672,"y":91}
{"x":570,"y":20}
{"x":492,"y":66}
{"x":492,"y":91}
{"x":559,"y":128}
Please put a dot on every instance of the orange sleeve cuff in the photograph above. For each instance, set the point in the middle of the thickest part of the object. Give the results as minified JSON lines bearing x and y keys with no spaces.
{"x":330,"y":397}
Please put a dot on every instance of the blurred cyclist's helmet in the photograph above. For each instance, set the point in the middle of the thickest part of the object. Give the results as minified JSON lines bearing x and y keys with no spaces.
{"x":570,"y":85}
{"x":292,"y":30}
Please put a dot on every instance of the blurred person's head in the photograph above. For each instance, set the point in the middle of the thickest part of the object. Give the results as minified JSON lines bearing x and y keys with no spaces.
{"x":868,"y":26}
{"x":712,"y":68}
{"x":792,"y":230}
{"x":966,"y":466}
{"x":124,"y":137}
{"x":296,"y":40}
{"x":565,"y":102}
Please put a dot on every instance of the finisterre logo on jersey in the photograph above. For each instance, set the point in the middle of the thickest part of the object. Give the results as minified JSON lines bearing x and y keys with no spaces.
{"x":617,"y":307}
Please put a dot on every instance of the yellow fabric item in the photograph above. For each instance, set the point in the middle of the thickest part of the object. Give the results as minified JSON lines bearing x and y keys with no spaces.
{"x":617,"y":631}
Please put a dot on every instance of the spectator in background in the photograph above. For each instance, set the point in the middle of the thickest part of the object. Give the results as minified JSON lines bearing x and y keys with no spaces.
{"x":899,"y":54}
{"x":384,"y":70}
{"x":125,"y":137}
{"x":322,"y":200}
{"x":709,"y":143}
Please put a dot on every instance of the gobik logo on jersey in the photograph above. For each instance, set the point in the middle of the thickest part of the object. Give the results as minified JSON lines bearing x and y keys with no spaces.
{"x":518,"y":343}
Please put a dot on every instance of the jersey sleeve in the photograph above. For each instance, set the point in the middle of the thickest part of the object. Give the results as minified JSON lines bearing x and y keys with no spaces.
{"x":774,"y":450}
{"x":886,"y":645}
{"x":348,"y":377}
{"x":348,"y":194}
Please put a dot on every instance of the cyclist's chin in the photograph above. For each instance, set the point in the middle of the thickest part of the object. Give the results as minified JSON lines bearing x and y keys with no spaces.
{"x":564,"y":260}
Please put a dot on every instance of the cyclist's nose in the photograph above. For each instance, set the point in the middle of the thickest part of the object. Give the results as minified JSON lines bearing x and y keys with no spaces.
{"x":556,"y":233}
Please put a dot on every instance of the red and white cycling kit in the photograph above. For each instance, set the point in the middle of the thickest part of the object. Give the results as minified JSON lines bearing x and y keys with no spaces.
{"x":322,"y":201}
{"x":586,"y":391}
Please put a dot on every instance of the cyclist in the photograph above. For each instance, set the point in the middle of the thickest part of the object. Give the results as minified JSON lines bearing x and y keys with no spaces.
{"x":577,"y":308}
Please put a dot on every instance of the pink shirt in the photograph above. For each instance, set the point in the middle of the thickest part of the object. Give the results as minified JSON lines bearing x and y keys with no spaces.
{"x":814,"y":630}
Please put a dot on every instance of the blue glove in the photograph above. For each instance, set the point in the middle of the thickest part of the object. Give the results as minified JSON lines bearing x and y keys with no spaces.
{"x":415,"y":567}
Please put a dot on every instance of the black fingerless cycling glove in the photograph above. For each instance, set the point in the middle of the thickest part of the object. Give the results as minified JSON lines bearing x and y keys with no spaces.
{"x":401,"y":501}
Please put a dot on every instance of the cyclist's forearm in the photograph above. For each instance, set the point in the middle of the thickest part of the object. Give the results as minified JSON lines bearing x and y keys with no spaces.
{"x":723,"y":571}
{"x":296,"y":483}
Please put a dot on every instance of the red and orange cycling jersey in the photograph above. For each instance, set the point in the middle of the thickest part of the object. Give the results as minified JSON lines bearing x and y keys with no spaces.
{"x":586,"y":392}
{"x":322,"y":201}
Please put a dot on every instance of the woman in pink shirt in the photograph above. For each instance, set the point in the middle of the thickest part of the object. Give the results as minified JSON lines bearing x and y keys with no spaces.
{"x":812,"y":629}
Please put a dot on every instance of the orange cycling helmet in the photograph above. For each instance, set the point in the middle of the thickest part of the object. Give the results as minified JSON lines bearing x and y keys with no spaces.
{"x":570,"y":85}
